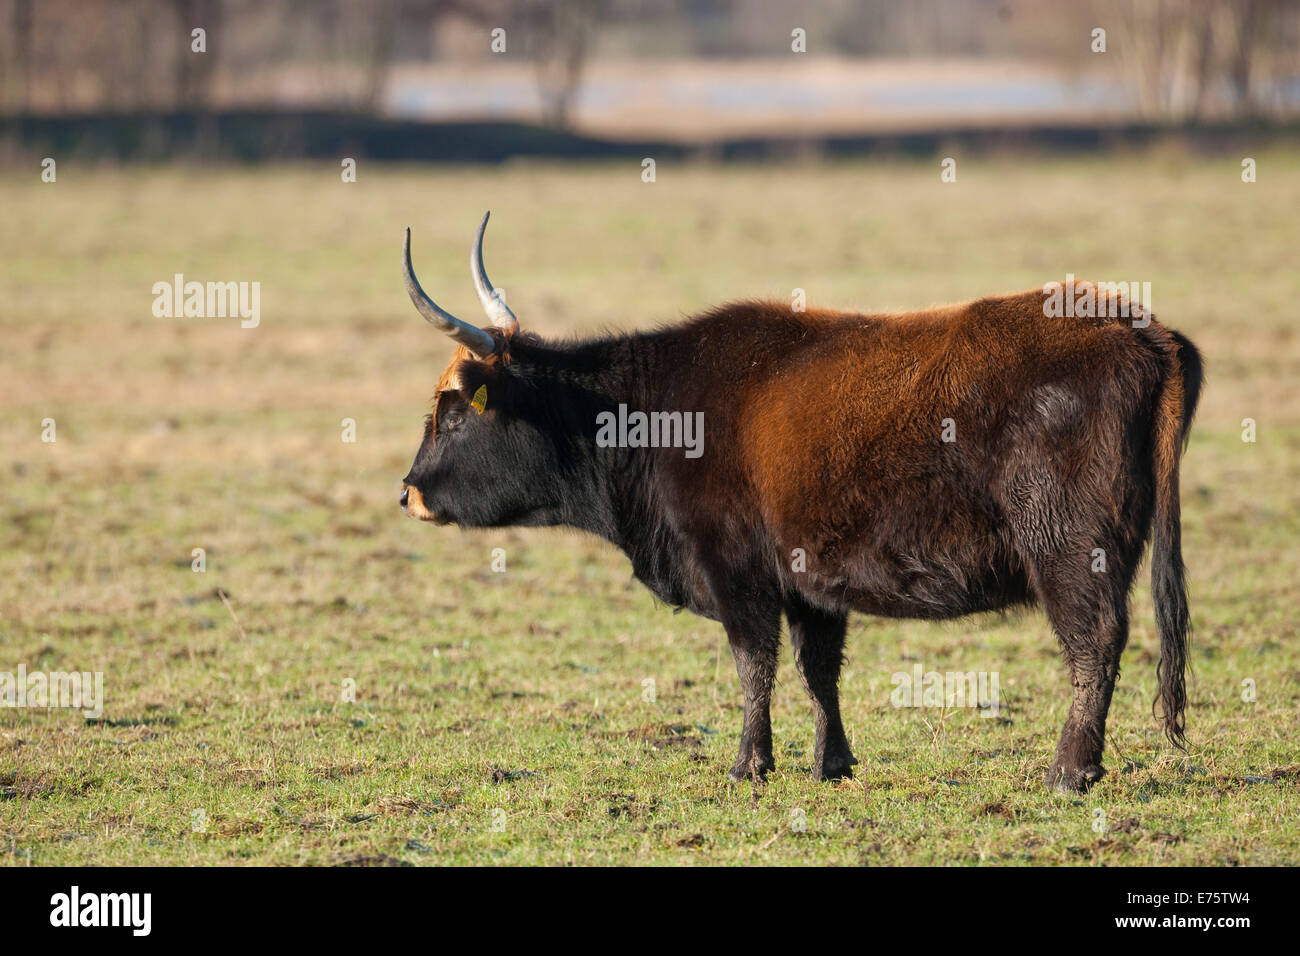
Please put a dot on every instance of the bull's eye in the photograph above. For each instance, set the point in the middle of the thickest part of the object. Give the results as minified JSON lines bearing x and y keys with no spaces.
{"x":452,"y":420}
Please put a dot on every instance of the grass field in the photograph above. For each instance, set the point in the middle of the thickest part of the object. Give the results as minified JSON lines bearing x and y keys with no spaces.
{"x":504,"y":717}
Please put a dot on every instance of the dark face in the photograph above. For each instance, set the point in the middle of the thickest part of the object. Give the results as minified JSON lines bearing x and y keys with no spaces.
{"x":482,"y":463}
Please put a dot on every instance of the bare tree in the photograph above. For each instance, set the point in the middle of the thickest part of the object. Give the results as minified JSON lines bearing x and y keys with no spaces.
{"x":557,"y":37}
{"x":19,"y":75}
{"x":1247,"y":18}
{"x":564,"y":38}
{"x":1188,"y":58}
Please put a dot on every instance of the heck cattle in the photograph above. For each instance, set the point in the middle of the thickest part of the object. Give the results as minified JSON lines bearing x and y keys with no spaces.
{"x":928,"y":464}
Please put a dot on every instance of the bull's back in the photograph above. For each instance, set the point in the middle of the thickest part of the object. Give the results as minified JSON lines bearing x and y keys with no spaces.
{"x":871,"y":446}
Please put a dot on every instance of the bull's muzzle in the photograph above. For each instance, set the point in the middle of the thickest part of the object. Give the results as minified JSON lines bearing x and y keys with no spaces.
{"x":412,"y":503}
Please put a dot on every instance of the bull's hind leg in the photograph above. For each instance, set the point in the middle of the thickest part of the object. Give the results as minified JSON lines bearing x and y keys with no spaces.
{"x":1080,"y":562}
{"x":818,"y":641}
{"x":1088,"y":610}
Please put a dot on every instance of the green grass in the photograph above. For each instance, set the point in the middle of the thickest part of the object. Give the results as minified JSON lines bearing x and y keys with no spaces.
{"x":522,"y":692}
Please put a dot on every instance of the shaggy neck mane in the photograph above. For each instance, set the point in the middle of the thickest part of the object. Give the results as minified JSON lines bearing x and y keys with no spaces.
{"x":567,"y":385}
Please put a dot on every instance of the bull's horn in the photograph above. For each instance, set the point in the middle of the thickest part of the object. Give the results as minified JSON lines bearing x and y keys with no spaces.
{"x":472,"y":337}
{"x":493,"y":304}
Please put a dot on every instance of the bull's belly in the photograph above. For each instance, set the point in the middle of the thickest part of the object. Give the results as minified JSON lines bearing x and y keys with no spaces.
{"x":933,"y":589}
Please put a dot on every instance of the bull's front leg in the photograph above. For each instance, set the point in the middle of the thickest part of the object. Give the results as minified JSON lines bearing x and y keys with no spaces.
{"x":755,"y":640}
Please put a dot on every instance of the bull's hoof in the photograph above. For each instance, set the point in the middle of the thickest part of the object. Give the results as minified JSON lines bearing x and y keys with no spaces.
{"x":1074,"y":780}
{"x":835,"y":767}
{"x":744,"y":770}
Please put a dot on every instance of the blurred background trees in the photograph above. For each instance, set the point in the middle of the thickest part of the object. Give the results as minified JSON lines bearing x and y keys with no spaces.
{"x":1177,"y":59}
{"x":1187,"y":58}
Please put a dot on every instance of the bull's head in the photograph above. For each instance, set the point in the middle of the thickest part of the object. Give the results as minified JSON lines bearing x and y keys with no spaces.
{"x":483,"y":456}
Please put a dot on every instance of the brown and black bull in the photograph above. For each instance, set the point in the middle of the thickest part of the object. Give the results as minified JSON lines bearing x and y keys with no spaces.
{"x":928,"y":464}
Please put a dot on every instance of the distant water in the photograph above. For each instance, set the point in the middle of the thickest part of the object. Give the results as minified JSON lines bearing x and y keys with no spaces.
{"x":741,"y":91}
{"x":484,"y":95}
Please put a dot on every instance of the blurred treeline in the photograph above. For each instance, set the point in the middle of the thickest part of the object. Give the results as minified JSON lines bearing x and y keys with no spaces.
{"x":1182,"y":59}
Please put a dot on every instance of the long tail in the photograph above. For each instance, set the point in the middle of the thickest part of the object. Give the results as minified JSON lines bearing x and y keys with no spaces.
{"x":1177,"y":405}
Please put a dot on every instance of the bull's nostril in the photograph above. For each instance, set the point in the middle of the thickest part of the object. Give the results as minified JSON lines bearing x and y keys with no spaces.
{"x":402,"y":500}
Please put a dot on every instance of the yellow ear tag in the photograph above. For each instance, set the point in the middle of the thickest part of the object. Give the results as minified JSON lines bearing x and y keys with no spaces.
{"x":480,"y":399}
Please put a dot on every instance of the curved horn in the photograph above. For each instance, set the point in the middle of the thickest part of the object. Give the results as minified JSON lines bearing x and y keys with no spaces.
{"x":473,"y":338}
{"x":493,"y":304}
